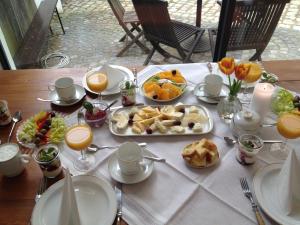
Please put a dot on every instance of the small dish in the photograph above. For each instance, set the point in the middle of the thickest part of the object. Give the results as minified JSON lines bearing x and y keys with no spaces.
{"x":97,"y":122}
{"x":80,"y":93}
{"x":115,"y":171}
{"x":201,"y":95}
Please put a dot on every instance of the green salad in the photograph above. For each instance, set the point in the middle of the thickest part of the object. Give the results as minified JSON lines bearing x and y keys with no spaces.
{"x":282,"y":102}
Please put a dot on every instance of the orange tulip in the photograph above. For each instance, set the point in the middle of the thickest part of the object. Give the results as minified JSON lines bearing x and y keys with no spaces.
{"x":226,"y":65}
{"x":241,"y":71}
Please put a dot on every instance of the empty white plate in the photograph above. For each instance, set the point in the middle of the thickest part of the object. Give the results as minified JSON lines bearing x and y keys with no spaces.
{"x":265,"y":185}
{"x":116,"y":174}
{"x":124,"y":72}
{"x":95,"y":197}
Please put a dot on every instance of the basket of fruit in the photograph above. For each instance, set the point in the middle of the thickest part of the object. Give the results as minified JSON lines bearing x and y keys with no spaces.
{"x":42,"y":128}
{"x":164,"y":86}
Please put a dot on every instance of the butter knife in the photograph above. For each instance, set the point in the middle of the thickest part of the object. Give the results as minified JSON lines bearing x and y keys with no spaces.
{"x":118,"y":192}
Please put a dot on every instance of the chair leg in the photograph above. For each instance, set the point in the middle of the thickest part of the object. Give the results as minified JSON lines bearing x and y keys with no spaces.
{"x":130,"y":43}
{"x":50,"y":28}
{"x":188,"y":56}
{"x":211,"y":33}
{"x":130,"y":34}
{"x":61,"y":25}
{"x":149,"y":56}
{"x":257,"y":55}
{"x":123,"y":38}
{"x":161,"y":50}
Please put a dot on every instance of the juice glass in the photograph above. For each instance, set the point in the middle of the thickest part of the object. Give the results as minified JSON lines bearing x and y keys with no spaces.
{"x":78,"y":138}
{"x":97,"y":82}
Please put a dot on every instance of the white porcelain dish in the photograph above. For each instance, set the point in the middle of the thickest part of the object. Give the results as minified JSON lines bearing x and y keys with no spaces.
{"x":265,"y":185}
{"x":207,"y":126}
{"x":116,"y":174}
{"x":200,"y":94}
{"x":96,"y":200}
{"x":127,"y":74}
{"x":80,"y":93}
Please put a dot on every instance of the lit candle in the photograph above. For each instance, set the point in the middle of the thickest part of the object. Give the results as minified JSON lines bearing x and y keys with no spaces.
{"x":262,"y":98}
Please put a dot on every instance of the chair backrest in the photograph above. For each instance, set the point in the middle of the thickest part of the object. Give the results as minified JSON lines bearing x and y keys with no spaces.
{"x":117,"y":9}
{"x":155,"y":20}
{"x":254,"y":22}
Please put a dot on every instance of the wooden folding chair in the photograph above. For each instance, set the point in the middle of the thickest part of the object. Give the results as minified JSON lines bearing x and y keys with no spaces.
{"x":130,"y":23}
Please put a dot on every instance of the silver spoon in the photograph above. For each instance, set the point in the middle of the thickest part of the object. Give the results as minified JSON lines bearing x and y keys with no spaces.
{"x":95,"y":148}
{"x":16,"y":118}
{"x":110,"y":105}
{"x":155,"y":159}
{"x":230,"y":141}
{"x":209,"y":66}
{"x":57,"y":100}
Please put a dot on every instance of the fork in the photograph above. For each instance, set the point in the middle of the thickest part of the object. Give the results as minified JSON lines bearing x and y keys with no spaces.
{"x":248,"y":194}
{"x":41,"y":189}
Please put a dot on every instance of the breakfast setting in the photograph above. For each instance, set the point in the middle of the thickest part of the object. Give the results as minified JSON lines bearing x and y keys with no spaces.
{"x":157,"y":145}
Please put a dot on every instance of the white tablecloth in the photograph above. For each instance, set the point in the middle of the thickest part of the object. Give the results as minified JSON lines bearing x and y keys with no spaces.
{"x":176,"y":193}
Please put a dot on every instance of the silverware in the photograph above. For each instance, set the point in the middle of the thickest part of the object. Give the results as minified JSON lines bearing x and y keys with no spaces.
{"x":155,"y":159}
{"x":16,"y":118}
{"x":94,"y":147}
{"x":134,"y":71}
{"x":248,"y":194}
{"x":268,"y":125}
{"x":111,"y":104}
{"x":230,"y":141}
{"x":209,"y":66}
{"x":79,"y":116}
{"x":118,"y":191}
{"x":120,"y":107}
{"x":212,"y":97}
{"x":41,"y":189}
{"x":57,"y":100}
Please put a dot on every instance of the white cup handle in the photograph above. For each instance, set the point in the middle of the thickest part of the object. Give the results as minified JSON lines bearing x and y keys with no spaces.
{"x":25,"y":158}
{"x":51,"y":87}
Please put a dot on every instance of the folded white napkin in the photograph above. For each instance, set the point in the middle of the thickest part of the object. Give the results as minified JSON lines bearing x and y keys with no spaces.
{"x":115,"y":76}
{"x":289,"y":184}
{"x":69,"y":214}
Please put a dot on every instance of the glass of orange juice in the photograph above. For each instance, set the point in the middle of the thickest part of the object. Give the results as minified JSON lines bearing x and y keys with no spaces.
{"x":253,"y":75}
{"x":97,"y":82}
{"x":288,"y":126}
{"x":78,"y":138}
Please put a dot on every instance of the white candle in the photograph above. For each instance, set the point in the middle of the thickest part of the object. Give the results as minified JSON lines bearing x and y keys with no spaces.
{"x":262,"y":98}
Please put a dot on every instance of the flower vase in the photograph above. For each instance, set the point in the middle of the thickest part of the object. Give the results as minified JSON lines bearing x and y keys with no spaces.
{"x":227,"y":107}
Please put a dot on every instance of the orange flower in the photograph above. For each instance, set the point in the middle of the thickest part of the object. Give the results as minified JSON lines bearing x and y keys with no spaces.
{"x":242,"y":70}
{"x":226,"y":65}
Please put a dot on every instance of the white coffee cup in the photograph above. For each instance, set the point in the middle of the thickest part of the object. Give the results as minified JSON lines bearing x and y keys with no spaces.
{"x":213,"y":85}
{"x":130,"y":157}
{"x":12,"y":162}
{"x":64,"y":87}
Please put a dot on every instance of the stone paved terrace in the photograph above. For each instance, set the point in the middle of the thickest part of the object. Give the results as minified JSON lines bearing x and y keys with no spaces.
{"x":92,"y":33}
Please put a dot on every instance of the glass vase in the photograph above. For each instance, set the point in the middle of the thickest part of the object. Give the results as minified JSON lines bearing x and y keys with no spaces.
{"x":228,"y":106}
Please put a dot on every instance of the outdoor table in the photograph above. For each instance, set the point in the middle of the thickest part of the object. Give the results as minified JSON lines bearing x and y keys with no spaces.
{"x":21,"y":88}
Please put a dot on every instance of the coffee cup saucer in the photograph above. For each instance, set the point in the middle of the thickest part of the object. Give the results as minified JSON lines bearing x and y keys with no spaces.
{"x":143,"y":174}
{"x":55,"y":99}
{"x":201,"y":95}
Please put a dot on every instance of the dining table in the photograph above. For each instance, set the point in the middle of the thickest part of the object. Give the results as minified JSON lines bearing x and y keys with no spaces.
{"x":202,"y":196}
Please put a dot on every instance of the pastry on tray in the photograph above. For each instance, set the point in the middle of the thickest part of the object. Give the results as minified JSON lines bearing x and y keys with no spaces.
{"x":201,"y":153}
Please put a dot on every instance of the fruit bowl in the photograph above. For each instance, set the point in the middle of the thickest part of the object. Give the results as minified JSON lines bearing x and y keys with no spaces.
{"x":164,"y":86}
{"x":96,"y":117}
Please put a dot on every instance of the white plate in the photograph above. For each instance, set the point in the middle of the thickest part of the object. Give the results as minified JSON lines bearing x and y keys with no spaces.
{"x":265,"y":185}
{"x":199,"y":93}
{"x":80,"y":93}
{"x":128,"y":75}
{"x":116,"y":174}
{"x":96,"y":200}
{"x":207,"y":127}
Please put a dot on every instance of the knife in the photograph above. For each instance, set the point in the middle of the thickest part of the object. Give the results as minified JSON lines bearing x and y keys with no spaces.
{"x":118,"y":192}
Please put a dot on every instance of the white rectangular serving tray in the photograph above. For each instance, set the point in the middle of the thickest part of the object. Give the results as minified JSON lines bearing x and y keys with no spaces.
{"x":207,"y":127}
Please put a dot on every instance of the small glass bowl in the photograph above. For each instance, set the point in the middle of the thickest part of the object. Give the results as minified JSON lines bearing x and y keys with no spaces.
{"x":246,"y":155}
{"x":52,"y":168}
{"x":99,"y":121}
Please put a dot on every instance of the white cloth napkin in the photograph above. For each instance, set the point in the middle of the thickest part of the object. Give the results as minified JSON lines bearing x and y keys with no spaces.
{"x":115,"y":76}
{"x":289,"y":184}
{"x":69,"y":214}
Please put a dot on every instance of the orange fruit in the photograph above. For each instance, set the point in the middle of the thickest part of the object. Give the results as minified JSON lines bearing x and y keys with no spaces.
{"x":288,"y":125}
{"x":147,"y":86}
{"x":254,"y":73}
{"x":163,"y":94}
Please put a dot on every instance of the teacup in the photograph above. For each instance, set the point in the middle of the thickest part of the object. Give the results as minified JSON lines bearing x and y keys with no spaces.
{"x":213,"y":85}
{"x":64,"y":88}
{"x":130,"y":157}
{"x":12,"y":162}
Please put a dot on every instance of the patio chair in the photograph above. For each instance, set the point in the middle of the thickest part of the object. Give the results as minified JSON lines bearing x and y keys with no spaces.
{"x":129,"y":22}
{"x":160,"y":29}
{"x":252,"y":25}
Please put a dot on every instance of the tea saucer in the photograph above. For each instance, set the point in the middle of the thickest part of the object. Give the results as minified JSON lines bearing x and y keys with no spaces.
{"x":200,"y":94}
{"x":116,"y":174}
{"x":80,"y":93}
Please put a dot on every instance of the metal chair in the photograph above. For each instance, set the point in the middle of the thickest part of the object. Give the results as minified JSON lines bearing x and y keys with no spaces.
{"x":251,"y":26}
{"x":160,"y":29}
{"x":126,"y":19}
